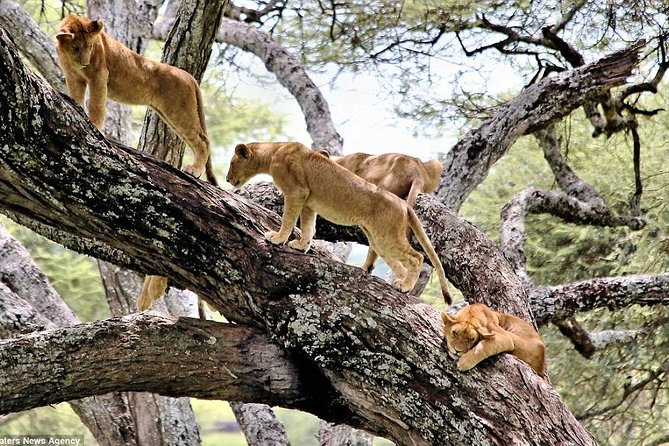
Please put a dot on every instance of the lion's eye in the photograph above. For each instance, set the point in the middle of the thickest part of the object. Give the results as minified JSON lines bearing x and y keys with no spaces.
{"x":455,"y":334}
{"x":76,"y":49}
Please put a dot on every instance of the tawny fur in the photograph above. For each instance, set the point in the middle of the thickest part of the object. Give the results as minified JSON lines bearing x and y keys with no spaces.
{"x":402,"y":175}
{"x":313,"y":184}
{"x":476,"y":332}
{"x":91,"y":59}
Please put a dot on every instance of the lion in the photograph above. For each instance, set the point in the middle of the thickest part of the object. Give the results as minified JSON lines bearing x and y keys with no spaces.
{"x":476,"y":332}
{"x":314,"y":184}
{"x":91,"y":59}
{"x":402,"y":175}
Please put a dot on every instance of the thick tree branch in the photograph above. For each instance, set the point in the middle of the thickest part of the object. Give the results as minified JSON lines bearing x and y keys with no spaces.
{"x":541,"y":104}
{"x":380,"y":350}
{"x":202,"y":359}
{"x":29,"y":303}
{"x":561,"y":301}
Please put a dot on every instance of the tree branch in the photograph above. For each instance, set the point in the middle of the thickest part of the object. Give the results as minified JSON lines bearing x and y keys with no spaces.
{"x":468,"y":162}
{"x":203,"y":359}
{"x":561,"y":301}
{"x":380,"y":350}
{"x":38,"y":48}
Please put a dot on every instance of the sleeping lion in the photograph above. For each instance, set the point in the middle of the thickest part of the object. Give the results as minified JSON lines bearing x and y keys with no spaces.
{"x":476,"y":332}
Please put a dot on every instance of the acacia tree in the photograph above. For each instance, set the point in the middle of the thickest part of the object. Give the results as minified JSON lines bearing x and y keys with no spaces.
{"x":467,"y":164}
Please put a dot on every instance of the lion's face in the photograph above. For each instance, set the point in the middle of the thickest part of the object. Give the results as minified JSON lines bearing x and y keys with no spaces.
{"x":243,"y":166}
{"x":76,"y":37}
{"x":464,"y":330}
{"x":460,"y":338}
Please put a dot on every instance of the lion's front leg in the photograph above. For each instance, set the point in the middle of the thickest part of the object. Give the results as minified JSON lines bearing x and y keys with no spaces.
{"x":97,"y":102}
{"x":76,"y":88}
{"x":292,"y":206}
{"x":308,"y":228}
{"x":499,"y":343}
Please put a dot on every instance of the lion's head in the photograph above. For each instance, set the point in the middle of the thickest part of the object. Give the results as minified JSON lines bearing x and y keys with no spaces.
{"x":243,"y":166}
{"x":464,"y":330}
{"x":76,"y":36}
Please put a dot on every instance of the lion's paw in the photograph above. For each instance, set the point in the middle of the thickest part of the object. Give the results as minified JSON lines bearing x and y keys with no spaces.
{"x":466,"y":363}
{"x":399,"y":284}
{"x":300,"y":245}
{"x":275,"y":237}
{"x":195,"y":171}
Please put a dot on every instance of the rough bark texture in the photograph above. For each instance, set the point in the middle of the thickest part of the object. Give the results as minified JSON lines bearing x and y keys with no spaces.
{"x":342,"y":435}
{"x":380,"y":350}
{"x":259,"y":424}
{"x":468,"y":162}
{"x":288,"y":71}
{"x":561,"y":301}
{"x":138,"y":352}
{"x":38,"y":47}
{"x":157,"y":420}
{"x":29,"y":303}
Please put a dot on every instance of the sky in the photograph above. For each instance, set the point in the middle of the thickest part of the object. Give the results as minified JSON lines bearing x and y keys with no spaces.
{"x":361,"y":112}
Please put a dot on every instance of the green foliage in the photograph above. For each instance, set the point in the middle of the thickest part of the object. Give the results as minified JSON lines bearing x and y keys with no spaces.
{"x":561,"y":253}
{"x":74,"y":276}
{"x":52,"y":420}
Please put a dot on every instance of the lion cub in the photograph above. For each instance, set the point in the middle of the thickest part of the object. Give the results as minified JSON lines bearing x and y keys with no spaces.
{"x":91,"y":59}
{"x":476,"y":332}
{"x":313,"y":184}
{"x":402,"y":175}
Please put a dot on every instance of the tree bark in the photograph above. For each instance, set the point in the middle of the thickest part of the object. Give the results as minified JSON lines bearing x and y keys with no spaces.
{"x":381,"y":351}
{"x":204,"y":359}
{"x":467,"y":164}
{"x":562,"y":301}
{"x":288,"y":71}
{"x":39,"y":48}
{"x":29,"y":303}
{"x":157,"y":420}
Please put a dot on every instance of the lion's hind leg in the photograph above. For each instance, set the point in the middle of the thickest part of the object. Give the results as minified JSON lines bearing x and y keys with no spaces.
{"x":152,"y":289}
{"x":403,"y":260}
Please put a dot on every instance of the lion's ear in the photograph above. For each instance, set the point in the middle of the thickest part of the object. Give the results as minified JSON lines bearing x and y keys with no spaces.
{"x":486,"y":335}
{"x":325,"y":153}
{"x":96,"y":26}
{"x":447,"y":319}
{"x":242,"y":151}
{"x":64,"y":35}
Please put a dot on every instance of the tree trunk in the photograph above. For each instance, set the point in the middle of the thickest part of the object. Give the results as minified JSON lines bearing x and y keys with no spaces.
{"x":380,"y":351}
{"x":28,"y":303}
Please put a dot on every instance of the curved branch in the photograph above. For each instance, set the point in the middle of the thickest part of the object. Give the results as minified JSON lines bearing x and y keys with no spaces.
{"x":561,"y":301}
{"x":558,"y":204}
{"x":39,"y":48}
{"x":289,"y":72}
{"x":468,"y":162}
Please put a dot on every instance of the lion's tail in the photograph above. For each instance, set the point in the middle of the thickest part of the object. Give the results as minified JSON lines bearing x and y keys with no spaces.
{"x":417,"y":228}
{"x":209,"y":169}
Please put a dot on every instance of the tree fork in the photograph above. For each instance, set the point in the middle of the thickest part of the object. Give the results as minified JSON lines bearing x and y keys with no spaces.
{"x":381,"y":351}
